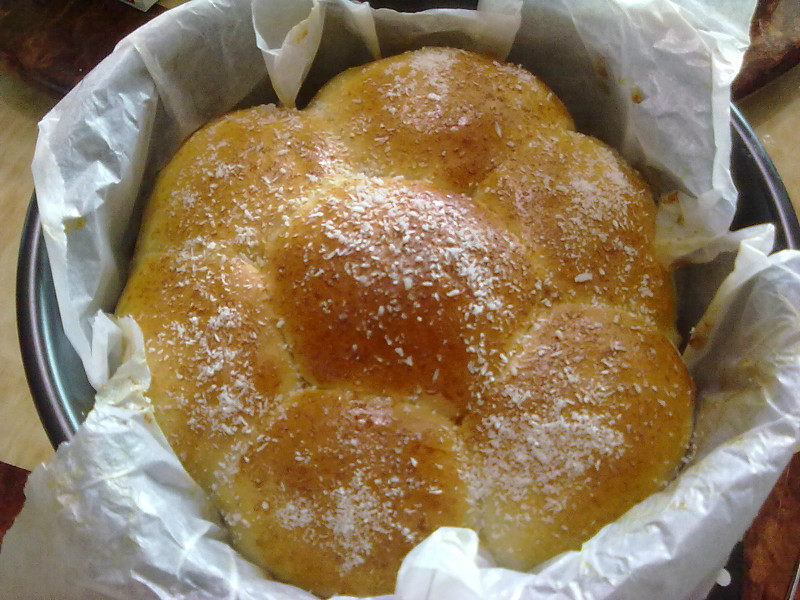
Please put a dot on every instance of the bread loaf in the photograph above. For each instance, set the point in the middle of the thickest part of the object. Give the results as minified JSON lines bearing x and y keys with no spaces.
{"x":422,"y":301}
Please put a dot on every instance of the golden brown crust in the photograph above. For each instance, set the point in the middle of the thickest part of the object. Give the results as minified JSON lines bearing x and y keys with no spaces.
{"x":234,"y":181}
{"x":396,"y":286}
{"x":442,"y":115}
{"x":423,"y":301}
{"x":578,"y":429}
{"x":595,"y":220}
{"x":216,"y":358}
{"x":345,"y":484}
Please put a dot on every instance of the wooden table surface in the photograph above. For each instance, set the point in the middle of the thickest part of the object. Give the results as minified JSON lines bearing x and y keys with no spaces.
{"x":23,"y":442}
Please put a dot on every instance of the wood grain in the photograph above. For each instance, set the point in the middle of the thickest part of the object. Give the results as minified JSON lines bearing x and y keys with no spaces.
{"x":23,"y":442}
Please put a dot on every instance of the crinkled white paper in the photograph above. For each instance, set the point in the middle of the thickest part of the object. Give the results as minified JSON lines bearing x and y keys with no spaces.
{"x":115,"y":516}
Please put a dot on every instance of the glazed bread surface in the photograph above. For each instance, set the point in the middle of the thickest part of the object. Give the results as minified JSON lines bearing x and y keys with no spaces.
{"x":422,"y":301}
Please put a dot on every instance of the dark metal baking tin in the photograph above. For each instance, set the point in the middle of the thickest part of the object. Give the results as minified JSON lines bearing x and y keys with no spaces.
{"x":60,"y":390}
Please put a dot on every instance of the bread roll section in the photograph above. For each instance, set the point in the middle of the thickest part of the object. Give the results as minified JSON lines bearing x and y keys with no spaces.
{"x":423,"y":301}
{"x":589,"y":212}
{"x":233,"y":182}
{"x":213,"y":348}
{"x":590,"y":416}
{"x":339,"y":485}
{"x":445,"y":116}
{"x":398,"y":286}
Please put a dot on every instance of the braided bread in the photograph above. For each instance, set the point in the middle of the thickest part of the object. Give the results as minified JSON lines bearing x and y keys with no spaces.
{"x":422,"y":301}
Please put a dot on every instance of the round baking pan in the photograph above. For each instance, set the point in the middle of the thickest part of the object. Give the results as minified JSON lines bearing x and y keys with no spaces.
{"x":63,"y":395}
